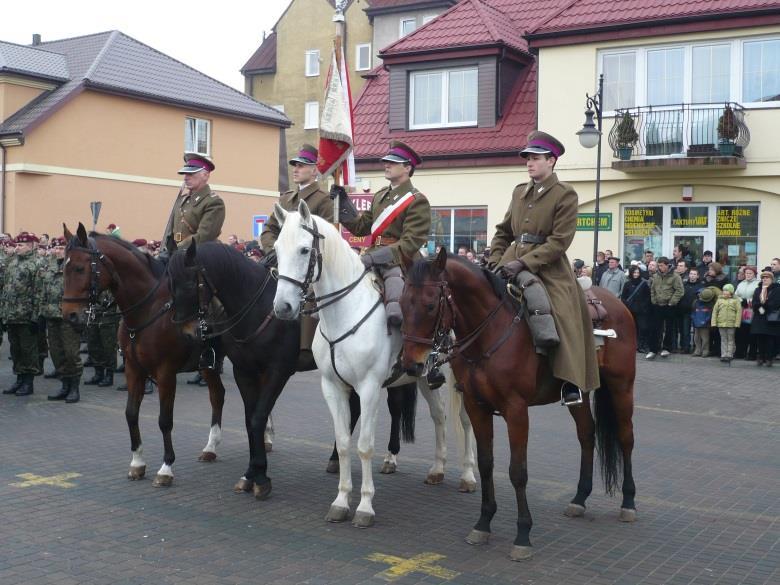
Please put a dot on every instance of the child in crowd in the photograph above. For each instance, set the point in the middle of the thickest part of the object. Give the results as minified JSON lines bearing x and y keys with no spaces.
{"x":702,"y":317}
{"x":726,"y":316}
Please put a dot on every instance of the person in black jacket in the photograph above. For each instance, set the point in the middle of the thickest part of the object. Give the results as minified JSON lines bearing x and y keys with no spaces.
{"x":691,"y":287}
{"x":636,"y":296}
{"x":766,"y":302}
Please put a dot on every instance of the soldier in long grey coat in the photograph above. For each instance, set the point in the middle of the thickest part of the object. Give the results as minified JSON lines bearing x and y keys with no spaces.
{"x":534,"y":235}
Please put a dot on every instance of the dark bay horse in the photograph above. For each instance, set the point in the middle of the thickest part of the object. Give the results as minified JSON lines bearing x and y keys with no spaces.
{"x":153,"y":346}
{"x":494,"y":360}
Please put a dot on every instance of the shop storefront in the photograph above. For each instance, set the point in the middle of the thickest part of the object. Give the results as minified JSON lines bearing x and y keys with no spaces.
{"x":730,"y":231}
{"x":455,"y":227}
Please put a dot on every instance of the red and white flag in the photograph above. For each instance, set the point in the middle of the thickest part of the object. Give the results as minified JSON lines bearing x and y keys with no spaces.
{"x":336,"y":124}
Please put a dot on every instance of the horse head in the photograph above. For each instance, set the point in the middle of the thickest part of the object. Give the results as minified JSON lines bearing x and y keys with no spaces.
{"x":425,"y":303}
{"x":190,"y":291}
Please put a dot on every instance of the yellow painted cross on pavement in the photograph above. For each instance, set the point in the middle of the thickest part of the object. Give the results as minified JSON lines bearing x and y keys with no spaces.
{"x":59,"y":480}
{"x":422,"y":563}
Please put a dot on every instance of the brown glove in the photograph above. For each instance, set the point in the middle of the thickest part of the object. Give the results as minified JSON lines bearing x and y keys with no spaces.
{"x":509,"y":270}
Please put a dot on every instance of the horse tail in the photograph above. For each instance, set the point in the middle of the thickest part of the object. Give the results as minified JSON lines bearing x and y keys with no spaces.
{"x":408,"y":410}
{"x":607,"y":443}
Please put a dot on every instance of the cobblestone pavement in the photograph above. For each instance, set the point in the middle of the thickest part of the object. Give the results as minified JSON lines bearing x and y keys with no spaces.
{"x":707,"y":468}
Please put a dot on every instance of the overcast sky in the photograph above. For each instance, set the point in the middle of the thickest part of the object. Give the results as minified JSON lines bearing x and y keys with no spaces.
{"x":215,"y":37}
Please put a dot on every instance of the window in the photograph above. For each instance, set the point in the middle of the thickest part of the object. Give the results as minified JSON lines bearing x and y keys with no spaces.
{"x":452,"y":228}
{"x":408,"y":25}
{"x":761,"y":71}
{"x":443,"y":98}
{"x":711,"y":74}
{"x":642,"y":230}
{"x":197,"y":136}
{"x":311,"y":118}
{"x":429,"y":17}
{"x":665,"y":76}
{"x":280,"y":108}
{"x":363,"y":57}
{"x":312,"y":63}
{"x":619,"y":81}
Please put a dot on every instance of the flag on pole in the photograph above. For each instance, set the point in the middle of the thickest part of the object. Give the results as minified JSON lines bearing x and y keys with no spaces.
{"x":336,"y":123}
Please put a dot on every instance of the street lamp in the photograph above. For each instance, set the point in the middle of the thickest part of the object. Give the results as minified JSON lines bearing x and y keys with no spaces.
{"x":590,"y":136}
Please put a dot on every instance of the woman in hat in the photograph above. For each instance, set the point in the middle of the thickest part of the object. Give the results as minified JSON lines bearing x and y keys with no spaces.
{"x":766,"y":310}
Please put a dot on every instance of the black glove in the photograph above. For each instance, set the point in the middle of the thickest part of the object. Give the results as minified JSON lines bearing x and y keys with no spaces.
{"x":511,"y":269}
{"x":347,"y":211}
{"x":379,"y":257}
{"x":269,"y":260}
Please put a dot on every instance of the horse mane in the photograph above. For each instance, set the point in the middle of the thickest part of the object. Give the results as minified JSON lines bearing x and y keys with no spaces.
{"x":240,"y":271}
{"x":421,"y":271}
{"x":156,"y":267}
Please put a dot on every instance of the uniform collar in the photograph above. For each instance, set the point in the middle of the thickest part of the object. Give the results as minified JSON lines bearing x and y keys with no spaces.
{"x":404,"y":187}
{"x":308,"y":190}
{"x":200,"y":193}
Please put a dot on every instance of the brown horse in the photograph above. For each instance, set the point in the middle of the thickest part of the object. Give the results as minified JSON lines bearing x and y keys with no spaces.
{"x":152,"y":344}
{"x":499,"y":371}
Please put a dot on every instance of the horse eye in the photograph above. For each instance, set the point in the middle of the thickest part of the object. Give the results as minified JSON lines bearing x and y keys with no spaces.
{"x":304,"y":251}
{"x":430,"y":307}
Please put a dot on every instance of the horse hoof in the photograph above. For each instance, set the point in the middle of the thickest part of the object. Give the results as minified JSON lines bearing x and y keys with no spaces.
{"x":388,"y":467}
{"x":521,"y":553}
{"x":207,"y":456}
{"x":136,"y":473}
{"x":627,"y":515}
{"x":162,"y":480}
{"x":337,"y":514}
{"x":262,"y":491}
{"x":434,"y":479}
{"x":269,"y":447}
{"x":478,"y":537}
{"x":574,"y":511}
{"x":363,"y":520}
{"x":243,"y":485}
{"x":467,"y":487}
{"x":333,"y":466}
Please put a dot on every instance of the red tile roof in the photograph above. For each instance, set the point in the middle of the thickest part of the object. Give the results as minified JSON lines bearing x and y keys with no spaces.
{"x":589,"y":14}
{"x":264,"y":59}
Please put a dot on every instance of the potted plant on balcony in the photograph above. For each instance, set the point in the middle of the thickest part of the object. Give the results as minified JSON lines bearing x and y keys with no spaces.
{"x":627,"y":137}
{"x":727,"y":131}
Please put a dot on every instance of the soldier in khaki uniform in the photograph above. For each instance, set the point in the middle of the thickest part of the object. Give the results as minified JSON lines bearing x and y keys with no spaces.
{"x":198,"y":213}
{"x":536,"y":231}
{"x":319,"y":202}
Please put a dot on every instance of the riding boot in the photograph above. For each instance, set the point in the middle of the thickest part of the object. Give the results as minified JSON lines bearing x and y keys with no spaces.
{"x":27,"y":385}
{"x":95,"y":380}
{"x":73,"y":395}
{"x":108,"y":379}
{"x":394,"y":286}
{"x":15,"y":386}
{"x":570,"y":394}
{"x":62,"y":392}
{"x":195,"y":380}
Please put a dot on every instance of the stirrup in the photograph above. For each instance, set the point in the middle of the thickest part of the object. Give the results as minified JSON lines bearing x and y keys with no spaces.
{"x":576,"y":402}
{"x":208,"y":359}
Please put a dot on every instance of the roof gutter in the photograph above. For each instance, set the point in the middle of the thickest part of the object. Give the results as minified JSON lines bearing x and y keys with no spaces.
{"x":2,"y":187}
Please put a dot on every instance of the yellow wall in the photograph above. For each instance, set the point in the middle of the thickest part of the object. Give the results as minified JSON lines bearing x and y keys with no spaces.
{"x":126,"y":153}
{"x":306,"y":25}
{"x":15,"y":93}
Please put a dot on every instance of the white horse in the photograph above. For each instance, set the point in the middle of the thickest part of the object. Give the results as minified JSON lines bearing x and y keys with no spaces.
{"x":352,"y":348}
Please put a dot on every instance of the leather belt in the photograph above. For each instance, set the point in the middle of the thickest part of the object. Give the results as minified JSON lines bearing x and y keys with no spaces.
{"x":385,"y":241}
{"x":530,"y":239}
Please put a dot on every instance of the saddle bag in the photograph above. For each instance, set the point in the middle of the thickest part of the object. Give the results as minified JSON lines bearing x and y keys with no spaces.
{"x":537,"y":303}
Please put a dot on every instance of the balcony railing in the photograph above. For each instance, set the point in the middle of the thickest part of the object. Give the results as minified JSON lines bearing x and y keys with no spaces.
{"x":680,"y":130}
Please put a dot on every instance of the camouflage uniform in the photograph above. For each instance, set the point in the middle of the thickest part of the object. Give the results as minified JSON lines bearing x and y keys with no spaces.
{"x":102,"y":340}
{"x":19,"y":312}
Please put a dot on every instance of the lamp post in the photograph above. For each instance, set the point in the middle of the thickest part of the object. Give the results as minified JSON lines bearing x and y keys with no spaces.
{"x":590,"y":136}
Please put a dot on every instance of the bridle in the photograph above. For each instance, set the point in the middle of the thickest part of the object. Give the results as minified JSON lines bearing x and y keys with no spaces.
{"x":315,"y":263}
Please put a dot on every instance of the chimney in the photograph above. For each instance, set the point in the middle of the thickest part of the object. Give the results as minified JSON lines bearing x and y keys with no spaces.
{"x":36,"y":39}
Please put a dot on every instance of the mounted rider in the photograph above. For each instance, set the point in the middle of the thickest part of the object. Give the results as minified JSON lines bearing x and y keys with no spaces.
{"x":534,"y":235}
{"x":309,"y":190}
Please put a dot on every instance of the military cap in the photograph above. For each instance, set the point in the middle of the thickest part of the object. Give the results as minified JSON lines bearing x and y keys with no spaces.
{"x":402,"y":153}
{"x":307,"y":155}
{"x":194,"y":163}
{"x":26,"y":237}
{"x":111,"y":227}
{"x":57,"y":242}
{"x":542,"y":143}
{"x":138,"y":242}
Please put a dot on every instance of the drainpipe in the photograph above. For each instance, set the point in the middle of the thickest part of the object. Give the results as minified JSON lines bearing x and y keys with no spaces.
{"x":2,"y":189}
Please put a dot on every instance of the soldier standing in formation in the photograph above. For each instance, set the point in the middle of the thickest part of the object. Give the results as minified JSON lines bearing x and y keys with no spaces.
{"x":309,"y":190}
{"x":64,"y":340}
{"x":102,"y":343}
{"x":19,"y":314}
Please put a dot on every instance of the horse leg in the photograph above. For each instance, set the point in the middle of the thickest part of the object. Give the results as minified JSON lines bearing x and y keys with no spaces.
{"x":268,"y":434}
{"x":483,"y":432}
{"x":166,"y":384}
{"x":464,"y":436}
{"x":337,"y":399}
{"x":435,"y":400}
{"x":586,"y":434}
{"x":135,"y":394}
{"x":623,"y":402}
{"x":217,"y":399}
{"x":390,"y":464}
{"x":517,"y":426}
{"x":354,"y":415}
{"x":246,"y":385}
{"x":369,"y":405}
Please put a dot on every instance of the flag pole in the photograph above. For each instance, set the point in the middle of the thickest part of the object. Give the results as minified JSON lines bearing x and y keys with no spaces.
{"x":340,"y":23}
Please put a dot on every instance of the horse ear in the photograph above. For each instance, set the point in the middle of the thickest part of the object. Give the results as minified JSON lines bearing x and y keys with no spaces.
{"x":305,"y":212}
{"x":192,"y":250}
{"x":66,"y":233}
{"x":441,"y":260}
{"x":81,"y":233}
{"x":170,"y":244}
{"x":279,"y":213}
